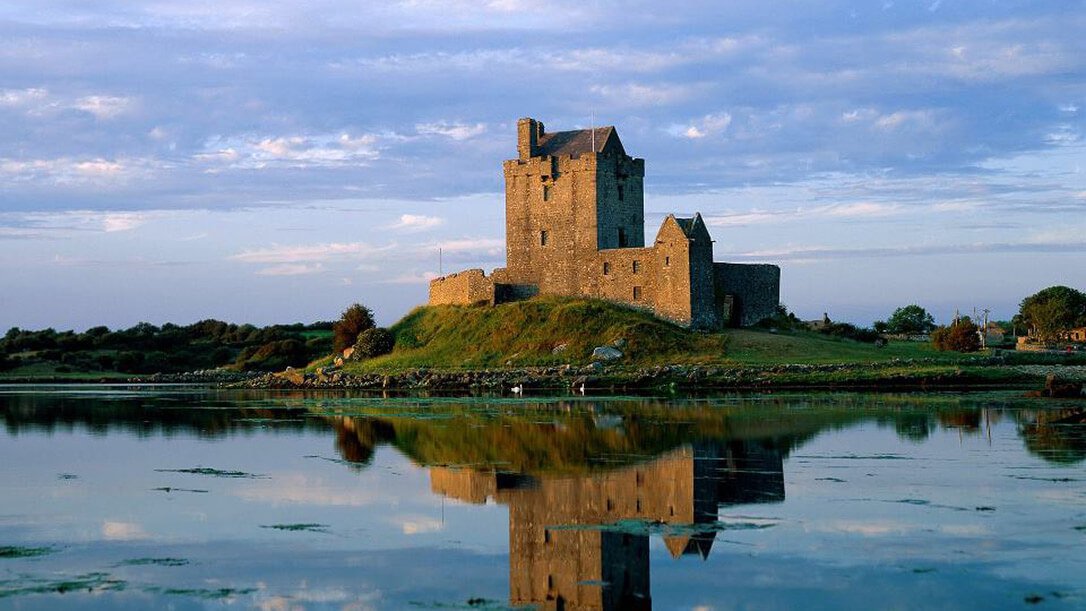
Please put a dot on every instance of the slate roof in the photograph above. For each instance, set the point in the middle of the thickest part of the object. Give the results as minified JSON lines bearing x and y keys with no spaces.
{"x":574,"y":142}
{"x":687,"y":225}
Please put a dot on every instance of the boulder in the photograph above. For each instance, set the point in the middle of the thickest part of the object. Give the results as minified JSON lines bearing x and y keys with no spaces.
{"x":606,"y":353}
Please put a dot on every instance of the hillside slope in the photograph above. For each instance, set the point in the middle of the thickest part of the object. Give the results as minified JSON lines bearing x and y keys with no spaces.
{"x":527,"y":333}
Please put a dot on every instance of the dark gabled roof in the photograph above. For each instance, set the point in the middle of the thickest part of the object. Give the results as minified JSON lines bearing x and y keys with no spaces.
{"x":575,"y":142}
{"x":687,"y":225}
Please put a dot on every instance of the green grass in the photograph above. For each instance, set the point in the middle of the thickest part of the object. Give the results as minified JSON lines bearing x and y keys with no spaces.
{"x":526,"y":333}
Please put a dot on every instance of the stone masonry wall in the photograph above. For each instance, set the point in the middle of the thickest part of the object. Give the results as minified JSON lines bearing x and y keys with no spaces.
{"x":468,"y":287}
{"x":756,"y":290}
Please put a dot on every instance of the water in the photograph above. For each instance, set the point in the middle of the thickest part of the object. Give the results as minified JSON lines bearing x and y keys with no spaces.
{"x":192,"y":498}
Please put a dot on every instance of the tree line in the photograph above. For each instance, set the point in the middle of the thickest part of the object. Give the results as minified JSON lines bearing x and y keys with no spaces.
{"x":147,"y":348}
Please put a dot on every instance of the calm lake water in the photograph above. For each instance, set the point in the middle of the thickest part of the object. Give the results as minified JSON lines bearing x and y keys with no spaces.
{"x":193,"y":498}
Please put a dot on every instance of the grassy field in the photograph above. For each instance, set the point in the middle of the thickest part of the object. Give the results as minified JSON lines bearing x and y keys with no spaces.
{"x":553,"y":331}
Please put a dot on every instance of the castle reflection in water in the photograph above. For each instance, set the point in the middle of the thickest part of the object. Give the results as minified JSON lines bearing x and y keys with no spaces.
{"x":560,"y":558}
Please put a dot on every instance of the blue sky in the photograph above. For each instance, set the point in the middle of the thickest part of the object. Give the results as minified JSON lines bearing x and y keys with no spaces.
{"x":275,"y":161}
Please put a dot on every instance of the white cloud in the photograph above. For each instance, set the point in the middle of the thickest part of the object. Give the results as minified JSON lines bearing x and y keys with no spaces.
{"x":709,"y":125}
{"x":292,"y":269}
{"x":410,"y":278}
{"x":415,"y":525}
{"x":639,"y":95}
{"x":322,"y":150}
{"x":416,"y":222}
{"x":301,"y":489}
{"x":307,"y":252}
{"x":103,"y":106}
{"x":488,"y":245}
{"x":70,"y":171}
{"x":455,"y":131}
{"x":122,"y":531}
{"x":22,"y":97}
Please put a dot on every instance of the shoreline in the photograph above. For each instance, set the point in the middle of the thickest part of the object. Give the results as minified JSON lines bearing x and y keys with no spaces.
{"x":891,"y":376}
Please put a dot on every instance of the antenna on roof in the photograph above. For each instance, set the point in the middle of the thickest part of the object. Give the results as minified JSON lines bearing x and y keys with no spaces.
{"x":592,"y":128}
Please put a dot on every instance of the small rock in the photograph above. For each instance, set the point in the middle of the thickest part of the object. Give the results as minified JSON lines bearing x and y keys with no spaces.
{"x":606,"y":353}
{"x":619,"y":343}
{"x":559,"y":349}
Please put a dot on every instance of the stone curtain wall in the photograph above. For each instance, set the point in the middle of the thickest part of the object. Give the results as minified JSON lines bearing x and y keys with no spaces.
{"x":755,"y":289}
{"x":468,"y":287}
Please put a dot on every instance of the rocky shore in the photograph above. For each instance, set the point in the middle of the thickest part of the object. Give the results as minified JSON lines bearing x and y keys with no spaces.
{"x":900,"y":375}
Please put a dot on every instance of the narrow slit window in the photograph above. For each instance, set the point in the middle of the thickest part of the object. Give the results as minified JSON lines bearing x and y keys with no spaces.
{"x":621,"y":238}
{"x":667,"y":261}
{"x":637,"y":293}
{"x":606,"y":268}
{"x":546,"y":193}
{"x":543,"y":238}
{"x":636,"y":266}
{"x":621,"y":193}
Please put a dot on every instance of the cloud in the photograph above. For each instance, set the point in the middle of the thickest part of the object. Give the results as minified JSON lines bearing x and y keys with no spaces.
{"x":411,"y":278}
{"x":291,"y":269}
{"x":849,"y":210}
{"x":709,"y":125}
{"x":489,"y":245}
{"x":103,"y":107}
{"x":259,"y":152}
{"x":308,"y":253}
{"x":416,"y":222}
{"x":455,"y":131}
{"x":301,"y":489}
{"x":122,"y":531}
{"x":808,"y":254}
{"x":640,"y":95}
{"x":59,"y":224}
{"x":14,"y":98}
{"x":415,"y":525}
{"x":67,"y":171}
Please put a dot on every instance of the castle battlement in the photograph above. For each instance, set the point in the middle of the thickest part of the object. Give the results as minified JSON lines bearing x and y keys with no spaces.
{"x":575,"y":225}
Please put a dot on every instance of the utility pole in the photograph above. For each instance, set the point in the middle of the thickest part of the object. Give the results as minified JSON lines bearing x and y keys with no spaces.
{"x":984,"y":330}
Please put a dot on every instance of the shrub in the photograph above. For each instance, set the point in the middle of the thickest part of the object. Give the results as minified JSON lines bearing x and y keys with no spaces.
{"x":353,"y":321}
{"x":373,"y":342}
{"x":962,"y":336}
{"x":850,"y":331}
{"x":781,"y":319}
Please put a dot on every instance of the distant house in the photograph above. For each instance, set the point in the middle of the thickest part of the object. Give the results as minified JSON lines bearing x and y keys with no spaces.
{"x":818,"y":325}
{"x":994,"y":334}
{"x":1077,"y":335}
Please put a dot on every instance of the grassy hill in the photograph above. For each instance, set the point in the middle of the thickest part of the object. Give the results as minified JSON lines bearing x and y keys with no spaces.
{"x":532,"y":333}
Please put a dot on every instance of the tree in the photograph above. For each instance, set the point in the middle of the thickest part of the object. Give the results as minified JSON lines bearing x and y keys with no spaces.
{"x":373,"y":342}
{"x":1052,"y":311}
{"x":962,"y":336}
{"x":353,"y":321}
{"x":910,"y":319}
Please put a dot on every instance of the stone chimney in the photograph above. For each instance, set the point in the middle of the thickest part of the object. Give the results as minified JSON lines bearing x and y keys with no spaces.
{"x":528,"y":133}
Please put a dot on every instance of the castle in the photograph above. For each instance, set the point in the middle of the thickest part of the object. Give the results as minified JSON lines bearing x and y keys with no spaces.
{"x":575,"y":225}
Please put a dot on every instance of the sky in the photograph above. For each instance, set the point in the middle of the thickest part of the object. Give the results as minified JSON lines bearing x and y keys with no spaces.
{"x":275,"y":161}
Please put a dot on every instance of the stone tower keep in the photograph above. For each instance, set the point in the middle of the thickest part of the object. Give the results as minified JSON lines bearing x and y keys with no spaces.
{"x":574,"y":222}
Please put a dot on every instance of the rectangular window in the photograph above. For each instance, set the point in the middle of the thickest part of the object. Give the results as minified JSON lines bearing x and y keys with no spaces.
{"x":636,"y":266}
{"x":606,"y":268}
{"x":546,"y":193}
{"x":543,"y":238}
{"x":621,"y":193}
{"x":637,"y":293}
{"x":621,"y":238}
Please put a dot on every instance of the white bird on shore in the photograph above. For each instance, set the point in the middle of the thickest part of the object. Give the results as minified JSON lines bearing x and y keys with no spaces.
{"x":518,"y":389}
{"x":581,"y":389}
